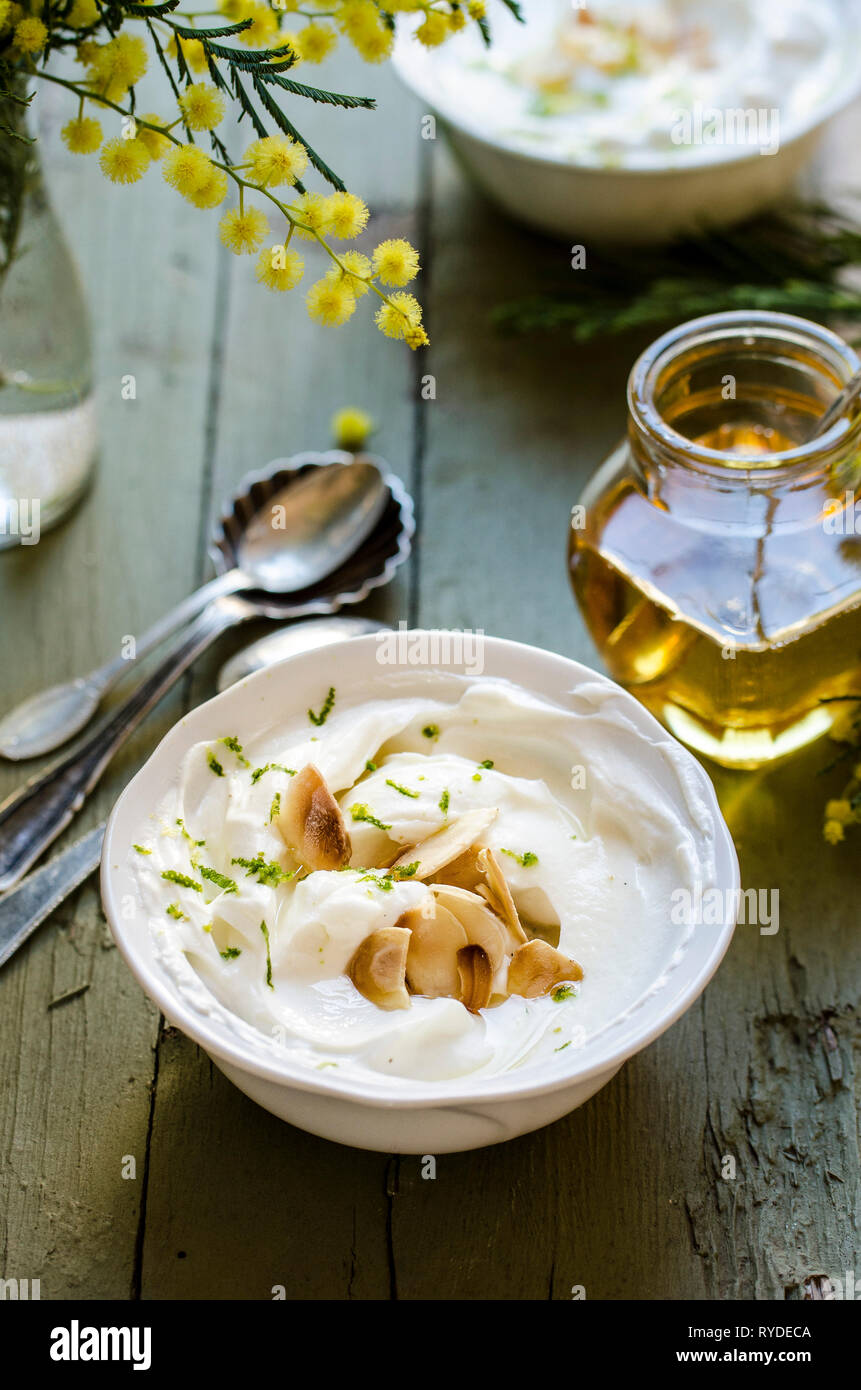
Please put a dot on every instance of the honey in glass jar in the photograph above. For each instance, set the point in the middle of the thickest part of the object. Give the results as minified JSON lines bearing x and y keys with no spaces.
{"x":716,"y":554}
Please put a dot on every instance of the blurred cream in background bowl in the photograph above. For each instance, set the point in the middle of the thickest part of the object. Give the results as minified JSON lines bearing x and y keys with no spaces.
{"x":639,"y":122}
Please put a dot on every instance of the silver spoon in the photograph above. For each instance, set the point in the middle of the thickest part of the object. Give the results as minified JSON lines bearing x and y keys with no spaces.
{"x":26,"y":907}
{"x":302,"y":534}
{"x":33,"y":817}
{"x":839,"y":406}
{"x":298,"y":637}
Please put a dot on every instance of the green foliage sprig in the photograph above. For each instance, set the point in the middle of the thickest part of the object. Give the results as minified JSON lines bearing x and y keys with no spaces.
{"x":792,"y":261}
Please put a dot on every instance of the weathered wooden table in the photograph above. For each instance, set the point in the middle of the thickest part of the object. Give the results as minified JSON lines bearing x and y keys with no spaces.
{"x":626,"y":1197}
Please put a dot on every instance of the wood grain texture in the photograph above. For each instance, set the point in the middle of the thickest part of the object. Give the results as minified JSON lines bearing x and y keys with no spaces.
{"x":241,"y":1206}
{"x":318,"y":1211}
{"x":623,"y":1199}
{"x":78,"y":1098}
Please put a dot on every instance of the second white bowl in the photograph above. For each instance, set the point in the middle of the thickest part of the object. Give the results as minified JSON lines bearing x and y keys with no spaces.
{"x":586,"y":203}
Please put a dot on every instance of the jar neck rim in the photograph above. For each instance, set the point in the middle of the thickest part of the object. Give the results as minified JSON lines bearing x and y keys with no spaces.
{"x":668,"y":446}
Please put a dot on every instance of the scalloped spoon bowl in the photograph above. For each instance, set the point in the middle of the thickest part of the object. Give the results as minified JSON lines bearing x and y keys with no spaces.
{"x":278,"y":542}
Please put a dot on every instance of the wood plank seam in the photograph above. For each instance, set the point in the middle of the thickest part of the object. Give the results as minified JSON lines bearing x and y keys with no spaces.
{"x":213,"y":395}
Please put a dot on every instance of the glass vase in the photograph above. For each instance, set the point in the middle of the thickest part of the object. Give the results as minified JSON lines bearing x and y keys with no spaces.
{"x":47,"y":413}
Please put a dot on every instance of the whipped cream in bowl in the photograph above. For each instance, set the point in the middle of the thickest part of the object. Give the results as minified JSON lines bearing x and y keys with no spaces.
{"x":419,"y":909}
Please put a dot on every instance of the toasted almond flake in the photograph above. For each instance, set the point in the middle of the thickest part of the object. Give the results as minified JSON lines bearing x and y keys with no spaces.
{"x":500,"y":893}
{"x":463,"y":872}
{"x":476,"y":977}
{"x":378,"y":969}
{"x":482,"y":926}
{"x":311,"y":824}
{"x":448,"y":843}
{"x":537,"y":967}
{"x":547,"y":931}
{"x":479,"y":871}
{"x":436,"y":936}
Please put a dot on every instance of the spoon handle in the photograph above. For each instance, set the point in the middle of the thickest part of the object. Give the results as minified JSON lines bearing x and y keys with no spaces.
{"x":33,"y":817}
{"x":25,"y":908}
{"x":47,"y":719}
{"x":229,"y":583}
{"x":840,"y":406}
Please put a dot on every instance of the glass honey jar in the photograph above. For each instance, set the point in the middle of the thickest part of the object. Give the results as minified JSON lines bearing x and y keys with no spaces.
{"x":716,"y":554}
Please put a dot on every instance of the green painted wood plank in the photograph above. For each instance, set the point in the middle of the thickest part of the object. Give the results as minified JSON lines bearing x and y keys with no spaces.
{"x":78,"y":1099}
{"x":783,"y":1042}
{"x":243,"y":1206}
{"x":251,"y":1201}
{"x":625,"y":1197}
{"x":516,"y":428}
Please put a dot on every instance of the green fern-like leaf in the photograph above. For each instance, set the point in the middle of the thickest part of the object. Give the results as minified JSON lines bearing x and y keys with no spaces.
{"x":790,"y":261}
{"x":224,"y":31}
{"x":151,"y":11}
{"x":247,"y":106}
{"x":299,"y":89}
{"x":284,"y":124}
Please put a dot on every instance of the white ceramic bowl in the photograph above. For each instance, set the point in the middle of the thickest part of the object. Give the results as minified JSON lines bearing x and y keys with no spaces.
{"x":424,"y":1117}
{"x":637,"y":206}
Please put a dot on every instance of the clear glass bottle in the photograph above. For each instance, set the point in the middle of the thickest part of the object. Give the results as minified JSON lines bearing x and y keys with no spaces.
{"x":716,"y":555}
{"x":48,"y":436}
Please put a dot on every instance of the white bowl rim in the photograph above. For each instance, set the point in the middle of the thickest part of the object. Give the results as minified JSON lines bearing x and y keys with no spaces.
{"x":417,"y":82}
{"x":458,"y":1092}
